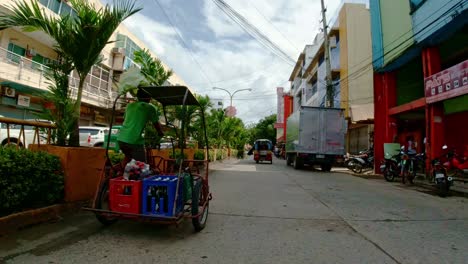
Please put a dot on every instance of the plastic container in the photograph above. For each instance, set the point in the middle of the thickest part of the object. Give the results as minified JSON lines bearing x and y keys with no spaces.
{"x":158,"y":195}
{"x":125,"y":196}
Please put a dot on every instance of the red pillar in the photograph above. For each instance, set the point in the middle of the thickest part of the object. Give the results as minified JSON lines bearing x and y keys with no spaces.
{"x":434,"y":112}
{"x":385,"y":127}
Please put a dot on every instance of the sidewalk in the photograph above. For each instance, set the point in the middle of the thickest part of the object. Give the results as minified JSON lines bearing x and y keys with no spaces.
{"x":459,"y":188}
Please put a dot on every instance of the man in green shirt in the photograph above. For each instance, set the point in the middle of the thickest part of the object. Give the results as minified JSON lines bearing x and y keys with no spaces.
{"x":136,"y":117}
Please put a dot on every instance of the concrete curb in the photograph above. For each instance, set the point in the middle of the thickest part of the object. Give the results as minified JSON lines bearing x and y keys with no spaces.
{"x":13,"y":222}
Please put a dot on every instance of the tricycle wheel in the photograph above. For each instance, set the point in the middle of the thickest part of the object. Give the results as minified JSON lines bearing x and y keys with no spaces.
{"x":257,"y":161}
{"x":199,"y":222}
{"x":103,"y":203}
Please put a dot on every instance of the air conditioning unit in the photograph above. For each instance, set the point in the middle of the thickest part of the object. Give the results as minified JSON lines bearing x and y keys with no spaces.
{"x":10,"y":92}
{"x":118,"y":50}
{"x":332,"y":42}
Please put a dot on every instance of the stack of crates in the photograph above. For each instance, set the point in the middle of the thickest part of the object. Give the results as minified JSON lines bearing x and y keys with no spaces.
{"x":125,"y":196}
{"x":159,"y":193}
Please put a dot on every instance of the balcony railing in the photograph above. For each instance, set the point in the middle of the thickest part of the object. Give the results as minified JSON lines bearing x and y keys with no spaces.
{"x":14,"y":67}
{"x":22,"y":70}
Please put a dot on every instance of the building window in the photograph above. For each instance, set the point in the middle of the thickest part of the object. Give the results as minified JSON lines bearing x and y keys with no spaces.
{"x":59,"y":7}
{"x":129,"y":46}
{"x":15,"y":52}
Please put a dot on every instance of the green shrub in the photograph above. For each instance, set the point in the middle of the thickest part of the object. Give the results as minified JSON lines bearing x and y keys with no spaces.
{"x":199,"y":154}
{"x":116,"y":157}
{"x":219,"y":154}
{"x":240,"y":153}
{"x":177,"y":154}
{"x":28,"y":179}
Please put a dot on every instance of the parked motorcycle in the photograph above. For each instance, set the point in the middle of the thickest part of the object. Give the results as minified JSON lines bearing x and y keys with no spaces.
{"x":390,"y":168}
{"x":404,"y":165}
{"x":357,"y":163}
{"x":440,"y":176}
{"x":456,"y":166}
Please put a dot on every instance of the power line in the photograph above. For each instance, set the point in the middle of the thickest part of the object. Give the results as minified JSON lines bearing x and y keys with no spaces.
{"x":253,"y":31}
{"x":182,"y":41}
{"x":273,"y":25}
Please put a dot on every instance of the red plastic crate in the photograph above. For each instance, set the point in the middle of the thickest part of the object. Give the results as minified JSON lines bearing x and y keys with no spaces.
{"x":125,"y":196}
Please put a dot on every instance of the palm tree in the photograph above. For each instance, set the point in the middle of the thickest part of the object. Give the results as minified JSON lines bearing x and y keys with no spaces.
{"x":151,"y":68}
{"x":81,"y":36}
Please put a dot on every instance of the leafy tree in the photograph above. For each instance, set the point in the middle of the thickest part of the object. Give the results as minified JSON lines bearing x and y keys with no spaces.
{"x":80,"y":37}
{"x":152,"y":68}
{"x":264,"y":129}
{"x":154,"y":74}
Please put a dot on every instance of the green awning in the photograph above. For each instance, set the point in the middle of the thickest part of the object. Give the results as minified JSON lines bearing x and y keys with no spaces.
{"x":24,"y":88}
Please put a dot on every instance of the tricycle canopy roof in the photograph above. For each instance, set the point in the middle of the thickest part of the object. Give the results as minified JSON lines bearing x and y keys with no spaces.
{"x":171,"y":95}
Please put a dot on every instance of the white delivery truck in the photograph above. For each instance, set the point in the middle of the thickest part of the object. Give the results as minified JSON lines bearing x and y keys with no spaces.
{"x":315,"y":136}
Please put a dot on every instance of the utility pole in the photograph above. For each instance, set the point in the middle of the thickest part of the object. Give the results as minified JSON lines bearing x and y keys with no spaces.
{"x":330,"y":89}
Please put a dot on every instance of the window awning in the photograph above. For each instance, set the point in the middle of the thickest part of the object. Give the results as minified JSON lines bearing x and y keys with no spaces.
{"x":24,"y":88}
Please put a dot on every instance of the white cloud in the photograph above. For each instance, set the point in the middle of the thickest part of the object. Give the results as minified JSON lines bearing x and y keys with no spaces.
{"x":233,"y":60}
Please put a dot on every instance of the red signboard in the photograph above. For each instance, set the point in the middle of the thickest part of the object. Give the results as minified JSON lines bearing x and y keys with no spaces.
{"x":448,"y":83}
{"x":279,"y":125}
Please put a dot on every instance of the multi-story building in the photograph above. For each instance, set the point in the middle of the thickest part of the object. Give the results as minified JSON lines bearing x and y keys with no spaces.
{"x":350,"y":48}
{"x":420,"y":80}
{"x":24,"y":56}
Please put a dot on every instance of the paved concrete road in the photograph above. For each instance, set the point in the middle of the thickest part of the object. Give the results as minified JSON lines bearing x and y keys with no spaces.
{"x":264,"y":213}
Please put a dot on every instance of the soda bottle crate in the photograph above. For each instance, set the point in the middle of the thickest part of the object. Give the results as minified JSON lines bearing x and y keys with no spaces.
{"x":125,"y":195}
{"x":159,"y":195}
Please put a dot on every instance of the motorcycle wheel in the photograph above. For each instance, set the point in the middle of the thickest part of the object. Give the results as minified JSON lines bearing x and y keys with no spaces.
{"x":388,"y":175}
{"x":357,"y":168}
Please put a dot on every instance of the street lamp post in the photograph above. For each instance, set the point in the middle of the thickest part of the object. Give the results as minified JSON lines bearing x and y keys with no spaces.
{"x":232,"y":95}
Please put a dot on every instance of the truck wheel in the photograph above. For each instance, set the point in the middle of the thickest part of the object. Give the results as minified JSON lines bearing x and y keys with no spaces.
{"x":298,"y":163}
{"x":326,"y":167}
{"x":288,"y":160}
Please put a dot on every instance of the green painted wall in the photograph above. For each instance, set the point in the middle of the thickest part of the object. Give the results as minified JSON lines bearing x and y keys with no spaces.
{"x":397,"y":29}
{"x":456,"y":105}
{"x":410,"y":84}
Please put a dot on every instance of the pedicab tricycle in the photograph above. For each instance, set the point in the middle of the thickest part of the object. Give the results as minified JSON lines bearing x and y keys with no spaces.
{"x":263,"y":150}
{"x":176,"y":189}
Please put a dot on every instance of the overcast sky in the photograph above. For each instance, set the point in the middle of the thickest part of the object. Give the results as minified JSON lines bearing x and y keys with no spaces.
{"x":228,"y":56}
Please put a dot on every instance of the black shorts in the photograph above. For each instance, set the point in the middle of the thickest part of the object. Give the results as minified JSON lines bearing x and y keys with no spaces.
{"x":133,"y":151}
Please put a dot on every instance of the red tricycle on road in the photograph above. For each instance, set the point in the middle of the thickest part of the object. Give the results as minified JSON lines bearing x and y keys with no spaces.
{"x":262,"y":150}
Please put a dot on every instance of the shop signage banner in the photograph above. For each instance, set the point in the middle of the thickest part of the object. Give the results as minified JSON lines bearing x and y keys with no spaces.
{"x":449,"y":83}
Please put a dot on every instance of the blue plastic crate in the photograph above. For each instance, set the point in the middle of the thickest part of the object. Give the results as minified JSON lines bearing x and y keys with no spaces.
{"x":159,"y":195}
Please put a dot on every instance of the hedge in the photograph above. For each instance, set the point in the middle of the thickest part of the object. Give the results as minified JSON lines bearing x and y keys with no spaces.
{"x":28,"y":179}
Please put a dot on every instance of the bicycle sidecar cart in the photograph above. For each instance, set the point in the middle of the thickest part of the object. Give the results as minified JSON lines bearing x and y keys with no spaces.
{"x":178,"y":188}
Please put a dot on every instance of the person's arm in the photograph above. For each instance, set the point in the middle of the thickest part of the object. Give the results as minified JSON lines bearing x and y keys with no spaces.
{"x":158,"y":128}
{"x":155,"y":121}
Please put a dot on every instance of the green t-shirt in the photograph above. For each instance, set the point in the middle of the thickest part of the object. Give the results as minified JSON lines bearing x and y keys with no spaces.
{"x":136,"y":116}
